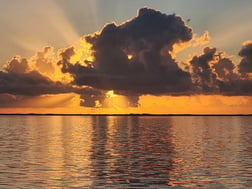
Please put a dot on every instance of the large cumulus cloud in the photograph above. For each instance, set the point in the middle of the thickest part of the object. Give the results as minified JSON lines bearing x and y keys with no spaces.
{"x":147,"y":40}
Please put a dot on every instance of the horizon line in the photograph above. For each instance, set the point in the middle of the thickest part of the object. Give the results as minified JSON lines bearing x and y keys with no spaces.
{"x":129,"y":114}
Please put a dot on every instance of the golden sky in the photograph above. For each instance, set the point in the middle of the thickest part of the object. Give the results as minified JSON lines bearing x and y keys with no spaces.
{"x":199,"y":104}
{"x":153,"y":61}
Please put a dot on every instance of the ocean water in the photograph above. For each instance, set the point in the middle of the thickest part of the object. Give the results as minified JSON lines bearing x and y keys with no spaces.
{"x":125,"y":152}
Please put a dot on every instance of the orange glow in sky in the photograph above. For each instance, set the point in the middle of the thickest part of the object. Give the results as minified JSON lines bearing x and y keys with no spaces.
{"x":116,"y":104}
{"x":125,"y":63}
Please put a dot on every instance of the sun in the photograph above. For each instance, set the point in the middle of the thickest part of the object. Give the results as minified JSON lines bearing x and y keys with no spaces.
{"x":111,"y":94}
{"x":130,"y":56}
{"x":114,"y":101}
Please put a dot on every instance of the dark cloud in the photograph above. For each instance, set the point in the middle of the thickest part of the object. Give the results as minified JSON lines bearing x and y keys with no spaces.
{"x":18,"y":79}
{"x":7,"y":100}
{"x":238,"y":83}
{"x":212,"y":73}
{"x":134,"y":58}
{"x":246,"y":63}
{"x":91,"y":100}
{"x":66,"y":55}
{"x":148,"y":38}
{"x":224,"y":68}
{"x":204,"y":78}
{"x":17,"y":65}
{"x":133,"y":101}
{"x":31,"y":83}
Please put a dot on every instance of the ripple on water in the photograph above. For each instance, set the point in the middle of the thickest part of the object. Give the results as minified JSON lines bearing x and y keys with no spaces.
{"x":125,"y":152}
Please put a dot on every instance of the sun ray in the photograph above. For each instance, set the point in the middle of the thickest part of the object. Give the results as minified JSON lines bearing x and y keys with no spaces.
{"x":54,"y":28}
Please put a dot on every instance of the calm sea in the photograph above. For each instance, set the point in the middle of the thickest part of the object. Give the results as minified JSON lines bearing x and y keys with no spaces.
{"x":125,"y":152}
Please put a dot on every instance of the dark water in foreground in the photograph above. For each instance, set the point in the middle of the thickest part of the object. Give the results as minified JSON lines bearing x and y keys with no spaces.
{"x":125,"y":152}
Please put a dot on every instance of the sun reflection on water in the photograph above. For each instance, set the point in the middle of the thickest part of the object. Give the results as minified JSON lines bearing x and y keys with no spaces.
{"x":125,"y":151}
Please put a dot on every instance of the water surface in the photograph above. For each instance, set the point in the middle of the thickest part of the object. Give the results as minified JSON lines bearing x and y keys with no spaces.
{"x":125,"y":152}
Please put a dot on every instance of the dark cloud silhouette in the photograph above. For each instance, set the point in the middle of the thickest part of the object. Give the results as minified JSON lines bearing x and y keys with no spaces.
{"x":203,"y":75}
{"x":92,"y":100}
{"x":211,"y":70}
{"x":31,"y":83}
{"x":224,"y":68}
{"x":17,"y":65}
{"x":147,"y":38}
{"x":231,"y":82}
{"x":18,"y":79}
{"x":134,"y":58}
{"x":66,"y":55}
{"x":212,"y":73}
{"x":245,"y":65}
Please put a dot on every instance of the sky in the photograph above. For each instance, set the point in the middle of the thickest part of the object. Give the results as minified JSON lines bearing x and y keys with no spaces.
{"x":115,"y":56}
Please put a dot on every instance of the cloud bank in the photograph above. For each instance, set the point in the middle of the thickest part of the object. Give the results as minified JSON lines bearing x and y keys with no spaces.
{"x":17,"y":79}
{"x":133,"y":58}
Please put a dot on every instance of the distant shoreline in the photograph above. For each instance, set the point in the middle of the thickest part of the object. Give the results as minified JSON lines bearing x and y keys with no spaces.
{"x":144,"y":114}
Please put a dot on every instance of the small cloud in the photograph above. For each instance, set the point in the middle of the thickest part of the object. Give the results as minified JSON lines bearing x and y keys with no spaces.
{"x":245,"y":66}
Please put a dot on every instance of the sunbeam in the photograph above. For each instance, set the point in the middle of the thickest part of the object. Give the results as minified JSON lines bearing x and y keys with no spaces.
{"x":37,"y":26}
